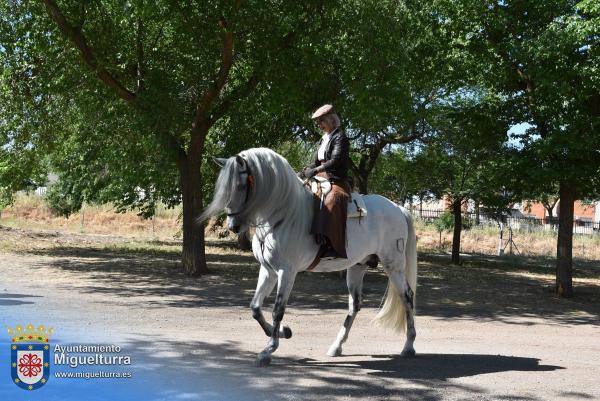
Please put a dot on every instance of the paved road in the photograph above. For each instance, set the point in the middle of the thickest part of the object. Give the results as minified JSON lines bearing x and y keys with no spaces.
{"x":197,"y":341}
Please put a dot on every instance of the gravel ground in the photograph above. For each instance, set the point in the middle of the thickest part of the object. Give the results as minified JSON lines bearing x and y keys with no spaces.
{"x":488,"y":330}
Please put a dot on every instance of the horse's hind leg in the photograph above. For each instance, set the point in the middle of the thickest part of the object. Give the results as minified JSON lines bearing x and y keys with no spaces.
{"x":398,"y":278}
{"x":354,"y":279}
{"x":267,"y":279}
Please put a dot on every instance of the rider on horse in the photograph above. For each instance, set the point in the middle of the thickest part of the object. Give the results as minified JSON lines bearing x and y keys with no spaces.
{"x":331,"y":161}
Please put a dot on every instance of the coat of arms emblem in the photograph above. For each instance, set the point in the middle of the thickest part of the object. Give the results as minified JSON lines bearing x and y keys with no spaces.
{"x":30,"y":356}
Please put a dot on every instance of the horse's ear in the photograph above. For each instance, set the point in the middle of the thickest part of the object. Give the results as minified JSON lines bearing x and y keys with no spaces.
{"x":219,"y":161}
{"x":240,"y":160}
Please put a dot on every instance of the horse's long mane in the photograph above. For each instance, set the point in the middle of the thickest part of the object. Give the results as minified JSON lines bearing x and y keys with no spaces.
{"x":277,"y":193}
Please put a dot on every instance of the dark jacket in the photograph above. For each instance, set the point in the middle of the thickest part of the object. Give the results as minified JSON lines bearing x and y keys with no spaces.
{"x":337,"y":156}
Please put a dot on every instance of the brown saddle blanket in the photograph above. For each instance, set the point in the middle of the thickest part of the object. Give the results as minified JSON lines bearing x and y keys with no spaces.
{"x":330,"y":215}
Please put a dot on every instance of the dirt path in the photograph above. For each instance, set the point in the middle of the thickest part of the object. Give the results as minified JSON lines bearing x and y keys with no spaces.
{"x":485,"y":332}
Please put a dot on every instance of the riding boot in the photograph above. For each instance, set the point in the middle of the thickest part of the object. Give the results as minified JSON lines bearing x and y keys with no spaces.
{"x":327,"y":251}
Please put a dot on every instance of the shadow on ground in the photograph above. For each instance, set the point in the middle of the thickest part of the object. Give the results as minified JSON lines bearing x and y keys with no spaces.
{"x":491,"y":288}
{"x":483,"y":288}
{"x":227,"y":370}
{"x":8,"y":299}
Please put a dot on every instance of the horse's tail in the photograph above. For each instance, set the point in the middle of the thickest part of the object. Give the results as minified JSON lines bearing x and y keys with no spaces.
{"x":411,"y":258}
{"x":393,"y":312}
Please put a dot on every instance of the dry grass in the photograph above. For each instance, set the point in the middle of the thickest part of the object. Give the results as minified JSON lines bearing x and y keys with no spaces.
{"x":31,"y":212}
{"x":485,"y":241}
{"x":474,"y":272}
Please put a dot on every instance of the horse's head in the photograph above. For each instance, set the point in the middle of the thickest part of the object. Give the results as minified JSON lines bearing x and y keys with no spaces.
{"x":255,"y":186}
{"x":233,"y":190}
{"x":242,"y":187}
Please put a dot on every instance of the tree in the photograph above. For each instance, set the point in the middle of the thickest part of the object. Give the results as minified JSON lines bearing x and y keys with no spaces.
{"x":390,"y":176}
{"x":132,"y":92}
{"x":548,"y":198}
{"x":465,"y":158}
{"x":22,"y":145}
{"x":444,"y":222}
{"x":549,"y":57}
{"x":385,"y":75}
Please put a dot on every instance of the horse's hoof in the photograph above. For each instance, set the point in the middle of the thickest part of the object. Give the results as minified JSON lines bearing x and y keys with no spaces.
{"x":408,"y":353}
{"x":262,"y":361}
{"x":334,"y":351}
{"x":287,"y":332}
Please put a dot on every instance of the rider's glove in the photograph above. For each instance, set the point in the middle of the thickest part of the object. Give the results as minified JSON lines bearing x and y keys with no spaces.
{"x":309,"y":172}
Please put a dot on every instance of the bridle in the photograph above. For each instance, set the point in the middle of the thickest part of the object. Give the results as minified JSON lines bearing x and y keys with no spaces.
{"x":249,"y":188}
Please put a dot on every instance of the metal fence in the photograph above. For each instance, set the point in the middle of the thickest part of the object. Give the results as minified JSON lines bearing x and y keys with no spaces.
{"x":528,"y":224}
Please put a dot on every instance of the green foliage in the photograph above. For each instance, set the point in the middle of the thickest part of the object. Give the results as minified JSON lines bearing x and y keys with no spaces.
{"x":466,"y":157}
{"x":23,"y":135}
{"x":549,"y":59}
{"x":55,"y":114}
{"x":391,"y":177}
{"x":62,"y":202}
{"x":455,"y":75}
{"x":445,"y":222}
{"x":389,"y":90}
{"x":298,"y":153}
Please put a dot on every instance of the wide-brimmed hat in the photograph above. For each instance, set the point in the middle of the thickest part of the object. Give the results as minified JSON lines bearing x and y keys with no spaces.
{"x":322,"y":111}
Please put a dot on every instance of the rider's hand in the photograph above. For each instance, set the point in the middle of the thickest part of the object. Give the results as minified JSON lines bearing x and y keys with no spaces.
{"x":309,"y":172}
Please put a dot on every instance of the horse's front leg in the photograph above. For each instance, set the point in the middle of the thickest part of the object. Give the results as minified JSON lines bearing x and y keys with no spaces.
{"x":267,"y":279}
{"x":285,"y":282}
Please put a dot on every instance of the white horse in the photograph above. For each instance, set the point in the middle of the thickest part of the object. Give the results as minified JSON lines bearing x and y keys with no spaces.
{"x":258,"y":187}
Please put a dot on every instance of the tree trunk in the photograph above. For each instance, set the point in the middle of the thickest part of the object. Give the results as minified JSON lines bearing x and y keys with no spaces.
{"x":550,"y":219}
{"x":564,"y":248}
{"x":456,"y":209}
{"x":367,"y":164}
{"x":549,"y":207}
{"x":193,"y":257}
{"x":363,"y":182}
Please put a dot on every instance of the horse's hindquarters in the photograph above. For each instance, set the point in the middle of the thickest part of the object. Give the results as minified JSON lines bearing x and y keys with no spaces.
{"x":379,"y":232}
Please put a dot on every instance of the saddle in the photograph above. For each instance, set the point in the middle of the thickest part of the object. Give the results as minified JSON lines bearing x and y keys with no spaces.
{"x":321,"y":186}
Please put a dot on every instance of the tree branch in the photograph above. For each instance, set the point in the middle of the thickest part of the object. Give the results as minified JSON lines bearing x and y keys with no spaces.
{"x":238,"y":93}
{"x":353,"y":167}
{"x":75,"y":35}
{"x":219,"y":82}
{"x":140,"y":65}
{"x":251,"y":83}
{"x":524,"y":79}
{"x":398,"y":139}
